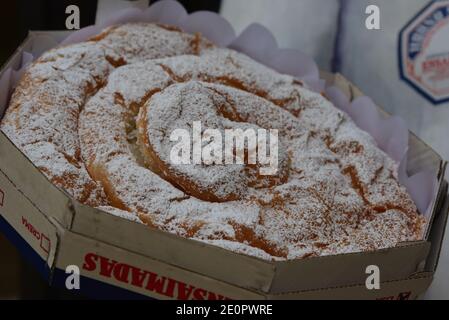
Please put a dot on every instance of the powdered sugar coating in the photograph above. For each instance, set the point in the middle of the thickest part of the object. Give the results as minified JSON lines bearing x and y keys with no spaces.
{"x":340,"y":184}
{"x":42,"y":119}
{"x":341,"y":194}
{"x":121,"y":213}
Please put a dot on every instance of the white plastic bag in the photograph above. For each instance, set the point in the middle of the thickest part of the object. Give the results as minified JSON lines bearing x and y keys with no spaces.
{"x":308,"y":25}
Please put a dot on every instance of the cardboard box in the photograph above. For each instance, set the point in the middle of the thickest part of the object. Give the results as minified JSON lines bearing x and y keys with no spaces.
{"x":54,"y":231}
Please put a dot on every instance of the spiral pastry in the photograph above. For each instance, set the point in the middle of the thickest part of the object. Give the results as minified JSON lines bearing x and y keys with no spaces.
{"x":101,"y":124}
{"x":42,"y":119}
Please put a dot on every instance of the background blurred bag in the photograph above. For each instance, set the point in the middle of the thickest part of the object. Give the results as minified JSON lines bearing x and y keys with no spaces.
{"x":308,"y":25}
{"x":371,"y":59}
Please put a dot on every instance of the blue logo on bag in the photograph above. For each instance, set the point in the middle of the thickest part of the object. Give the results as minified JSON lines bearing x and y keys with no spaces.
{"x":424,"y":52}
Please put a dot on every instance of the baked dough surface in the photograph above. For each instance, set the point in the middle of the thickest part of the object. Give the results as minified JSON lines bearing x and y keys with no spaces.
{"x":96,"y":118}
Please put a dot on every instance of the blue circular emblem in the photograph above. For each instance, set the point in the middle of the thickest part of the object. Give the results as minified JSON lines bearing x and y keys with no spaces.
{"x":424,"y":52}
